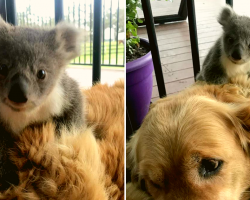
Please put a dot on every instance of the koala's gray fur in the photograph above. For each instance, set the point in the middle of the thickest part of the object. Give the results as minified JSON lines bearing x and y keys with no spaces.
{"x":25,"y":51}
{"x":26,"y":99}
{"x":231,"y":53}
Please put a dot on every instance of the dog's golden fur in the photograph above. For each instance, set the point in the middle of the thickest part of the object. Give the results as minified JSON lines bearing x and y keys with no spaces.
{"x":109,"y":128}
{"x":77,"y":165}
{"x":180,"y":132}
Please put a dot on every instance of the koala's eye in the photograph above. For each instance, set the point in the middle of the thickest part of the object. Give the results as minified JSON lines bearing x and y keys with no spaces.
{"x":3,"y":69}
{"x":209,"y":167}
{"x":230,"y":40}
{"x":41,"y":74}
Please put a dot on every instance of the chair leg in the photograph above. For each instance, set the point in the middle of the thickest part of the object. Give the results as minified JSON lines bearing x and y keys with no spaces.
{"x":149,"y":20}
{"x":193,"y":36}
{"x":230,"y":2}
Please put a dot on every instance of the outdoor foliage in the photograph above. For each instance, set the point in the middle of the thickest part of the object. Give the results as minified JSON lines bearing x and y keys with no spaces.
{"x":81,"y":14}
{"x":132,"y":38}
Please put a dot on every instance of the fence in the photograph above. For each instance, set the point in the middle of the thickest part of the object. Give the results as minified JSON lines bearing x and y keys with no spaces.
{"x":80,"y":13}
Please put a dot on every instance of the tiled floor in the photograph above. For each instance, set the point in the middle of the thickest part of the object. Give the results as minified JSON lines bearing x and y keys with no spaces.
{"x":174,"y":42}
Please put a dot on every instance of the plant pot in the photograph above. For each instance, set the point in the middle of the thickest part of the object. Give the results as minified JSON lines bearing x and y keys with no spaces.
{"x":139,"y":84}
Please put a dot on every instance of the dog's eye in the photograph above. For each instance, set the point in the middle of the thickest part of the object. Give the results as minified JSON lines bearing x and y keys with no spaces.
{"x":41,"y":74}
{"x":249,"y":46}
{"x":3,"y":69}
{"x":155,"y":185}
{"x":230,"y":40}
{"x":209,"y":167}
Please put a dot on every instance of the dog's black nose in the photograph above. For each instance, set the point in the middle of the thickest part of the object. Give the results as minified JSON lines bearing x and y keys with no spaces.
{"x":236,"y":55}
{"x":17,"y":94}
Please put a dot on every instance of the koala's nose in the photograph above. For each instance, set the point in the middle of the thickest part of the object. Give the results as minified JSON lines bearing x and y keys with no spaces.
{"x":236,"y":55}
{"x":18,"y":93}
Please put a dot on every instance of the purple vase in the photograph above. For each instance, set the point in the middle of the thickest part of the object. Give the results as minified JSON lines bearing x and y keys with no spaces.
{"x":139,"y":84}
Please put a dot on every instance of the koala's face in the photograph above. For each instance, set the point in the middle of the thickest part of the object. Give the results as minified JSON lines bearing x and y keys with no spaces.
{"x":32,"y":62}
{"x":29,"y":67}
{"x":236,"y":37}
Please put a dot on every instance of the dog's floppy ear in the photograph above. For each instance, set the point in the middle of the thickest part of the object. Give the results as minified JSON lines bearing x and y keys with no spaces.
{"x":131,"y":157}
{"x":133,"y":192}
{"x":226,"y":15}
{"x":68,"y":39}
{"x":242,"y":124}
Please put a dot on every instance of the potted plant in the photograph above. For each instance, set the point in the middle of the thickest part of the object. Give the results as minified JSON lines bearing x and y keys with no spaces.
{"x":139,"y":68}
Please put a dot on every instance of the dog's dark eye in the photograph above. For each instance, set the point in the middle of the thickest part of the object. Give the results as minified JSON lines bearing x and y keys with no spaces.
{"x":230,"y":40}
{"x":209,"y":167}
{"x":155,"y":185}
{"x":249,"y":46}
{"x":3,"y":69}
{"x":41,"y":74}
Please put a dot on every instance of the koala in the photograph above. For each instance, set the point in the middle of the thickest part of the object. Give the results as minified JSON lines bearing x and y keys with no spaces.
{"x":34,"y":86}
{"x":8,"y":170}
{"x":230,"y":55}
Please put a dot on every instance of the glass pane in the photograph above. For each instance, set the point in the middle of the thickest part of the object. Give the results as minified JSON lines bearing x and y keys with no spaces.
{"x":35,"y":12}
{"x":81,"y":14}
{"x":162,"y":8}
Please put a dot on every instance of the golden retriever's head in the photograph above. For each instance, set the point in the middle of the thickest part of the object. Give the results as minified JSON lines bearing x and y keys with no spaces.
{"x":192,"y":147}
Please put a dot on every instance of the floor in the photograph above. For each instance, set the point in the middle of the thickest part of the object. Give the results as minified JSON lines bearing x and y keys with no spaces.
{"x":83,"y":75}
{"x":162,"y":7}
{"x":174,"y":42}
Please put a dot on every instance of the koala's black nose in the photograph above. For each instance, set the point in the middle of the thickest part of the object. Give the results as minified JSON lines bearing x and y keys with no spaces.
{"x":236,"y":55}
{"x":18,"y":94}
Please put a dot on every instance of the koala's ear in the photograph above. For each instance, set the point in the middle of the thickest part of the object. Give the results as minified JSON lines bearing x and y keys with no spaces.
{"x":226,"y":14}
{"x":3,"y":23}
{"x":68,"y":39}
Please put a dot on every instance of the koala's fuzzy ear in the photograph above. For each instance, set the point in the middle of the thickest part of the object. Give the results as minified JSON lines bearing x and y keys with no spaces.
{"x":69,"y":40}
{"x":226,"y":14}
{"x":3,"y":23}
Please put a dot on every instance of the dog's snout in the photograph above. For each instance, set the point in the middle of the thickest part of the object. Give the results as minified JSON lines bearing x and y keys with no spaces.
{"x":18,"y":90}
{"x":236,"y":55}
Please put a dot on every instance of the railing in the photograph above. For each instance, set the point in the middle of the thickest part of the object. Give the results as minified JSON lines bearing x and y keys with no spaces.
{"x":81,"y":14}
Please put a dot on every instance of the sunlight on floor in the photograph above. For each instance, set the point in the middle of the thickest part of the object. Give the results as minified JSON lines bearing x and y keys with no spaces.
{"x":83,"y":75}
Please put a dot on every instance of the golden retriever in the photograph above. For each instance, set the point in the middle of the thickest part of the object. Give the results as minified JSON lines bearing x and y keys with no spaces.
{"x":194,"y":146}
{"x":78,"y":165}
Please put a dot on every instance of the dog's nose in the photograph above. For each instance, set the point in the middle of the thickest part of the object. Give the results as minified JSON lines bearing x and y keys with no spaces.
{"x":17,"y":94}
{"x":236,"y":55}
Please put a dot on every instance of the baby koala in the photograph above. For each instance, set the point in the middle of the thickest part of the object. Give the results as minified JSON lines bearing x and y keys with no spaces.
{"x":34,"y":86}
{"x":230,"y":55}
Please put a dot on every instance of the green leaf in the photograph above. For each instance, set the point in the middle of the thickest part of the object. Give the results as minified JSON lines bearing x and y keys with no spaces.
{"x":140,"y":20}
{"x":132,"y":39}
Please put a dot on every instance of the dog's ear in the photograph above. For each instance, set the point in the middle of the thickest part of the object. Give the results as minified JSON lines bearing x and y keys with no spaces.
{"x":131,"y":157}
{"x":134,"y":192}
{"x":68,"y":38}
{"x":241,"y":122}
{"x":226,"y":14}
